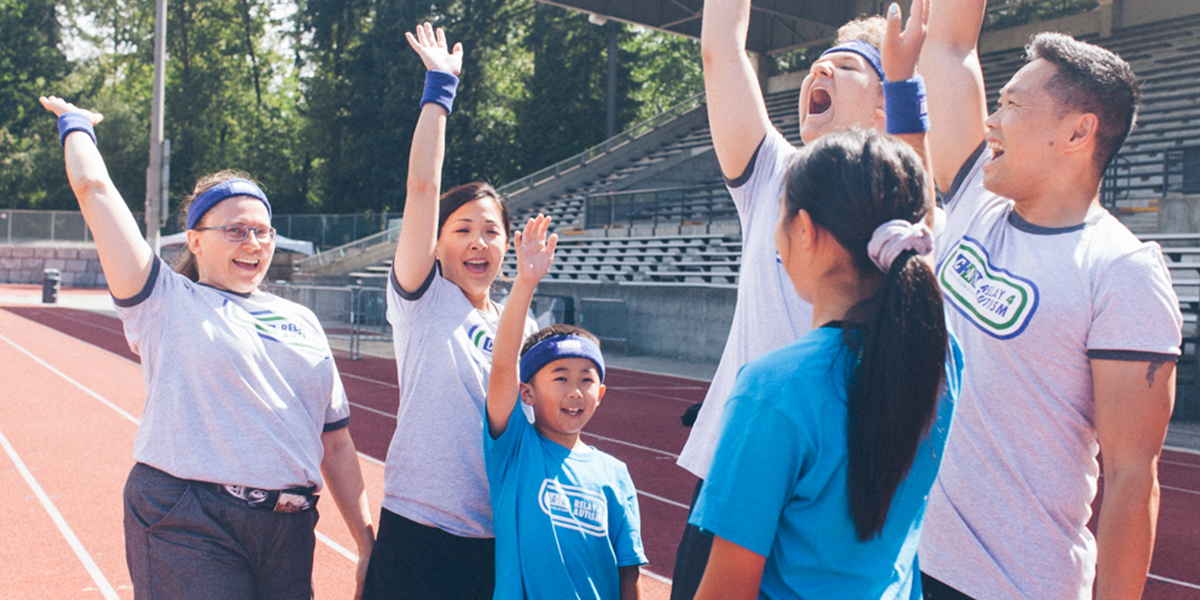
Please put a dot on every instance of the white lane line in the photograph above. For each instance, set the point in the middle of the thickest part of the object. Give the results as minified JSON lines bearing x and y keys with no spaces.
{"x":66,"y":377}
{"x":631,"y":444}
{"x":654,"y":576}
{"x":665,"y":500}
{"x":1178,"y":464}
{"x":340,"y":549}
{"x":136,"y":421}
{"x":1181,"y":449}
{"x":106,"y":588}
{"x":655,"y":387}
{"x":68,"y":317}
{"x":1175,"y":489}
{"x":1174,"y":581}
{"x":369,"y":380}
{"x":373,"y":410}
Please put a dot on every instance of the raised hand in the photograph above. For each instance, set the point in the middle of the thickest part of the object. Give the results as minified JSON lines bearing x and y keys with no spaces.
{"x":433,"y":50}
{"x":901,"y":49}
{"x":535,"y":251}
{"x":60,"y":107}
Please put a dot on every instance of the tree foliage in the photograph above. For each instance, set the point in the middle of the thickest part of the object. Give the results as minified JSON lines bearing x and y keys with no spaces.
{"x":318,"y":99}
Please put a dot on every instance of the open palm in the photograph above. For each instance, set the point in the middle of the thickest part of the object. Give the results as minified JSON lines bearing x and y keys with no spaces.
{"x":535,"y":250}
{"x":433,"y":50}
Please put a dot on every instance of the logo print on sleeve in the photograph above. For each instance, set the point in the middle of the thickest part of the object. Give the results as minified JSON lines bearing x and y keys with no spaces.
{"x":576,"y":508}
{"x":998,"y":302}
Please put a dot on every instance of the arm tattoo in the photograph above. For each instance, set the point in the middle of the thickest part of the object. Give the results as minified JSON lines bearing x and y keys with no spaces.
{"x":1152,"y":371}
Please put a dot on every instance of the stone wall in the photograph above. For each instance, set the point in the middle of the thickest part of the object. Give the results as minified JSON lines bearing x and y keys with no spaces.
{"x":80,"y":267}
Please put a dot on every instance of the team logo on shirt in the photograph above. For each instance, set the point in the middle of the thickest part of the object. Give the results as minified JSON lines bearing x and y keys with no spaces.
{"x":995,"y":300}
{"x":574,"y":507}
{"x":276,"y":328}
{"x":482,"y":339}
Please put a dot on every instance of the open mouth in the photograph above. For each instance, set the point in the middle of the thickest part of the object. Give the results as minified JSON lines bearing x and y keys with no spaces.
{"x":246,"y":263}
{"x":997,"y":149}
{"x":819,"y":101}
{"x":476,"y":266}
{"x":573,"y":412}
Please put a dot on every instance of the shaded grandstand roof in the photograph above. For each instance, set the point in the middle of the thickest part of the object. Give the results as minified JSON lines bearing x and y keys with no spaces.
{"x":775,"y":25}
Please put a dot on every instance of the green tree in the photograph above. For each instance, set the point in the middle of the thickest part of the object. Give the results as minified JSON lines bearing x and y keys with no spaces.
{"x":31,"y":64}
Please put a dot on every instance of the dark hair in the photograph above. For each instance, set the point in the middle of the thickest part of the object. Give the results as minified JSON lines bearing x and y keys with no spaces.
{"x":1093,"y":80}
{"x":470,"y":192}
{"x":185,"y":263}
{"x":851,"y":182}
{"x":550,"y":331}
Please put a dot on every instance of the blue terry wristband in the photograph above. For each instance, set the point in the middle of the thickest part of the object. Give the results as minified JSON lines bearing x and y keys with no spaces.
{"x":439,"y":89}
{"x":904,"y":103}
{"x":74,"y":121}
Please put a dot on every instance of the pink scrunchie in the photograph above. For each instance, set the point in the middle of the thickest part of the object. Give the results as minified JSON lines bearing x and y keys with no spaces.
{"x":896,"y":236}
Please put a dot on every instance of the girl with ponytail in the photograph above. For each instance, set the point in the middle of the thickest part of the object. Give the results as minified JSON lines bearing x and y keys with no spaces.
{"x":830,"y":445}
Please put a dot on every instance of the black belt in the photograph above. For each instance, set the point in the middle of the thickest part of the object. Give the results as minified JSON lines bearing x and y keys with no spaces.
{"x":291,"y":500}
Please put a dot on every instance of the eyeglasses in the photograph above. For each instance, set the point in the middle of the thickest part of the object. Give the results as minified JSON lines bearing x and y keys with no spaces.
{"x":239,"y":233}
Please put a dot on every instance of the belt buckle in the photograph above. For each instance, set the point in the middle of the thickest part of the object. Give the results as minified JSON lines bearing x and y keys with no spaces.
{"x":290,"y":503}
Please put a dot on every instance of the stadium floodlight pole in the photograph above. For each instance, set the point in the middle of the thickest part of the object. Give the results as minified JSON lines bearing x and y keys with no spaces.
{"x":154,"y":174}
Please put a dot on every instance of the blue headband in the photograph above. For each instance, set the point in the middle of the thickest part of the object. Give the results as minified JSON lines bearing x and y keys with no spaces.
{"x":219,"y":192}
{"x":863,"y":49}
{"x":556,"y":347}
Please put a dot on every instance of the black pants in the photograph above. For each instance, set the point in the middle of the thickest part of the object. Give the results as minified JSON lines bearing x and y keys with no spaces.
{"x":691,"y":558}
{"x":936,"y":590}
{"x":418,"y":562}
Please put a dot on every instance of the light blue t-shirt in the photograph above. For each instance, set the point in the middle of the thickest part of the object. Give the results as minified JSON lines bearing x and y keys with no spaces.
{"x":565,"y":520}
{"x":778,"y":481}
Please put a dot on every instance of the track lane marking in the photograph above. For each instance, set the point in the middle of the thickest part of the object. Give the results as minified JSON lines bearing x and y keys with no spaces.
{"x":630,"y":444}
{"x":323,"y":538}
{"x":68,"y":379}
{"x":81,"y":553}
{"x":1172,"y":581}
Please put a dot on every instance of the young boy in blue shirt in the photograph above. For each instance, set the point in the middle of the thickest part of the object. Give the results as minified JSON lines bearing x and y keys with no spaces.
{"x":565,"y":514}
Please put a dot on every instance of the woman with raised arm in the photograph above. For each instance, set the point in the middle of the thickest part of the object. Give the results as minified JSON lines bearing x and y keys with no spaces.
{"x":435,"y":530}
{"x":245,"y":417}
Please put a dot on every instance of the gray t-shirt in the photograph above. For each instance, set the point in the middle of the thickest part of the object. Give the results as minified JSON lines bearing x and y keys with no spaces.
{"x":1007,"y":517}
{"x":239,"y":387}
{"x":769,"y":314}
{"x":435,"y":474}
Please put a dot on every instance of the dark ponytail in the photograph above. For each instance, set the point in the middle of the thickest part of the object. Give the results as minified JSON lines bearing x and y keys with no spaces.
{"x":850,"y":183}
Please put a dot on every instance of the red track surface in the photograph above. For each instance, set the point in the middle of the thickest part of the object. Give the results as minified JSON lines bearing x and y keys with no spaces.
{"x":78,"y":449}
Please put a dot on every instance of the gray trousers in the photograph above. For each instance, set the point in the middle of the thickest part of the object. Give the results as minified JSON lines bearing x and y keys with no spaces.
{"x":185,"y":540}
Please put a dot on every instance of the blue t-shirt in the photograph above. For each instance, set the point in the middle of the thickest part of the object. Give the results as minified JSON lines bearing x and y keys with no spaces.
{"x":778,"y":482}
{"x":565,"y":520}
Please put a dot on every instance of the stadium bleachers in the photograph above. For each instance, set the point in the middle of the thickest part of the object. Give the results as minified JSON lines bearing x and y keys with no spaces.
{"x":679,"y":182}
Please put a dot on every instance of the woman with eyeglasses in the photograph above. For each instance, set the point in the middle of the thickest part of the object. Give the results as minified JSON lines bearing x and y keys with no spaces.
{"x":245,"y":417}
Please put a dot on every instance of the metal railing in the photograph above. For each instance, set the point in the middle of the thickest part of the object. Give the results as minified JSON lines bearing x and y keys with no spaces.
{"x":335,"y":254}
{"x":1116,"y":183}
{"x":323,"y":230}
{"x":695,"y":204}
{"x":539,"y":177}
{"x":352,"y":312}
{"x":1181,"y":170}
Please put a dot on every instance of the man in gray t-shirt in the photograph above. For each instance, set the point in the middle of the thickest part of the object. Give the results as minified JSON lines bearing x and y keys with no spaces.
{"x":1068,"y":324}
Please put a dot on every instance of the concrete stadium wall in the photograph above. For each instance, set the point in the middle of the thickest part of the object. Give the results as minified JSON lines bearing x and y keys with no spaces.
{"x":80,"y":267}
{"x":682,"y":323}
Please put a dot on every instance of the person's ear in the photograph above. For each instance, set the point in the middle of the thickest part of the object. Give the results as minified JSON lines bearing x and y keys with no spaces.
{"x":600,"y":395}
{"x":193,"y":241}
{"x":1082,"y":131}
{"x":527,"y":393}
{"x":803,"y":231}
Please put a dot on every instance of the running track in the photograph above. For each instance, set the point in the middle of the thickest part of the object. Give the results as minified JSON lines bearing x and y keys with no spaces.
{"x":73,"y":393}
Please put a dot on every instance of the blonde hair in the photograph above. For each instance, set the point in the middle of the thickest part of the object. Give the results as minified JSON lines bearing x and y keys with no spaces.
{"x":185,"y":263}
{"x":868,"y":29}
